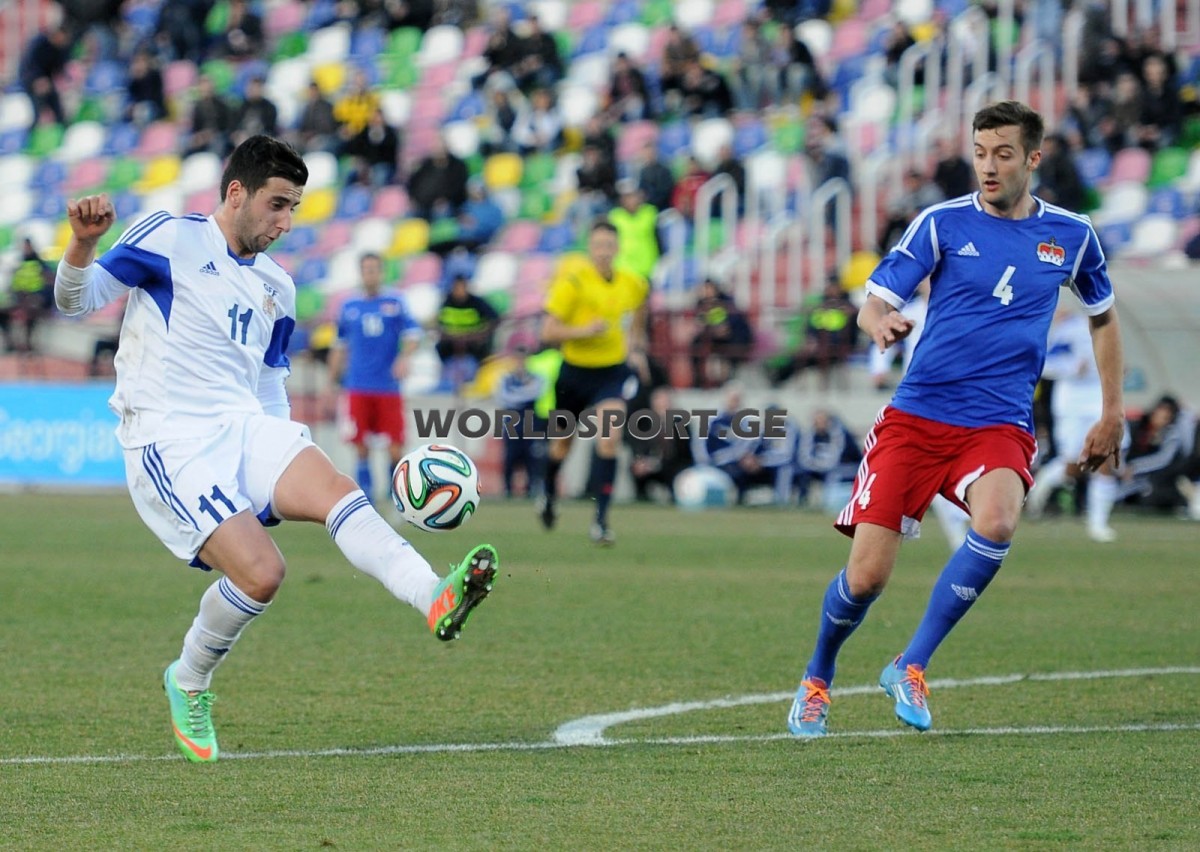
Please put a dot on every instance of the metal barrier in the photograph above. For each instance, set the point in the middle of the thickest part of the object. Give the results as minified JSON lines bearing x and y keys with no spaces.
{"x":835,"y":190}
{"x":722,"y":186}
{"x":1039,"y":55}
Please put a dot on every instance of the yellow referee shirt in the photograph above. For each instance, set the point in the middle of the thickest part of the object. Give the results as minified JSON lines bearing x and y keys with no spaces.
{"x":579,"y":295}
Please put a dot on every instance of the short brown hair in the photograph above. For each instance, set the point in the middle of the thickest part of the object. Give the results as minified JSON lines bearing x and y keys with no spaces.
{"x":1012,"y":114}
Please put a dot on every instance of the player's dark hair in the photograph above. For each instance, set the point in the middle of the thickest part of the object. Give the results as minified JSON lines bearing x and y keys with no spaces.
{"x":1012,"y":114}
{"x":604,"y":225}
{"x":261,"y":158}
{"x":369,"y":256}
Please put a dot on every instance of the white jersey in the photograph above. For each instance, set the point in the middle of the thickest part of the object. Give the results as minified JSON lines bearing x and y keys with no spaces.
{"x":205,"y":332}
{"x":1071,"y":363}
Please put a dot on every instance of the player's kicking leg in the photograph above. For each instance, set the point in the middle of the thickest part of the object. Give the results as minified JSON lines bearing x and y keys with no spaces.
{"x":463,"y":589}
{"x":191,"y":719}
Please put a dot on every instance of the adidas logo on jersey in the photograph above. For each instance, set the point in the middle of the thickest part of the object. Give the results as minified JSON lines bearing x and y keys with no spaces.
{"x":968,"y":250}
{"x":209,"y":268}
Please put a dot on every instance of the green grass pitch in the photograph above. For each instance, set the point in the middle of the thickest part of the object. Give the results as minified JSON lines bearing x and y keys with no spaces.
{"x":344,"y":724}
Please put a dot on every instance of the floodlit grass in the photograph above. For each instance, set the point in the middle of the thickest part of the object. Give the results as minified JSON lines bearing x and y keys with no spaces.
{"x":686,"y":608}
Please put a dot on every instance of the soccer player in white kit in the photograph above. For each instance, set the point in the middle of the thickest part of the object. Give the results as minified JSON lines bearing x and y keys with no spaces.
{"x":1076,"y":403}
{"x":211,"y":456}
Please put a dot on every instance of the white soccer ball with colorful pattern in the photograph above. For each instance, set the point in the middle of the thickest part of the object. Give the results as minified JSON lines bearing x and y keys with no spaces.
{"x":436,"y":487}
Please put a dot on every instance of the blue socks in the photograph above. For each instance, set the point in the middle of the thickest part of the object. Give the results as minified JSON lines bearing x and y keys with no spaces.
{"x":362,"y":475}
{"x":962,"y":581}
{"x":606,"y":474}
{"x":841,"y":613}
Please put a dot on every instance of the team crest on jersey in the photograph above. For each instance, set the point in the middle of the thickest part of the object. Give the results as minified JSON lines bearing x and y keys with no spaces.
{"x":1051,"y":252}
{"x":268,"y":303}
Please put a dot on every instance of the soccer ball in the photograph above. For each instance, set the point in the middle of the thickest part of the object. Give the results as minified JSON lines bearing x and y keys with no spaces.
{"x":704,"y":487}
{"x":436,"y":487}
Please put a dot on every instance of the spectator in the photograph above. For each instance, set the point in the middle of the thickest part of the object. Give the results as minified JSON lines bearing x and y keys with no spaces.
{"x":479,"y":220}
{"x":1089,"y":114}
{"x":45,"y":58}
{"x":145,"y":101}
{"x":257,"y":115}
{"x":539,"y":66}
{"x":897,"y":41}
{"x":466,"y":323}
{"x":723,"y":447}
{"x":1120,"y":124}
{"x":392,"y":14}
{"x":952,"y":174}
{"x":637,"y":230}
{"x":658,"y":459}
{"x":729,"y":164}
{"x":1059,"y":181}
{"x":1162,"y":466}
{"x":679,"y":50}
{"x":212,"y":121}
{"x":750,"y":69}
{"x":503,"y":50}
{"x":499,"y":120}
{"x":317,"y":128}
{"x":703,"y":92}
{"x":240,"y":35}
{"x":683,"y":198}
{"x":30,"y":293}
{"x":180,"y":29}
{"x":438,"y":186}
{"x":828,"y":454}
{"x":597,"y":180}
{"x":538,"y":127}
{"x":355,"y":108}
{"x":519,"y":390}
{"x":653,"y":176}
{"x":723,"y":337}
{"x":830,"y":337}
{"x":628,"y":98}
{"x":775,"y":455}
{"x":1161,"y":117}
{"x":598,"y":132}
{"x":375,"y":150}
{"x":793,"y":69}
{"x":825,"y":151}
{"x":918,"y":193}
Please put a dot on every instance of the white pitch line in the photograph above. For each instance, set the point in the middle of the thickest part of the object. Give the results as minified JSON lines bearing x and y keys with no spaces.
{"x":587,"y":724}
{"x":589,"y":730}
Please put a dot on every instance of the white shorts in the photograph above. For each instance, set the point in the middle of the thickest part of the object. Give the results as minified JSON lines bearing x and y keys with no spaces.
{"x":183,"y":489}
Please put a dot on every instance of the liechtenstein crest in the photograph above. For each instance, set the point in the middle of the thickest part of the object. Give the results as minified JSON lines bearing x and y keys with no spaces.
{"x":1051,"y":252}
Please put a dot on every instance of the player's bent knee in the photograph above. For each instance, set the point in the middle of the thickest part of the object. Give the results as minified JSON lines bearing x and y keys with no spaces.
{"x":999,"y":527}
{"x":260,"y":579}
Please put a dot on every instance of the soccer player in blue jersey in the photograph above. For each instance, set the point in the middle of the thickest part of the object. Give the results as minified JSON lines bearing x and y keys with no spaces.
{"x":212,"y":455}
{"x":376,"y":338}
{"x":960,"y":423}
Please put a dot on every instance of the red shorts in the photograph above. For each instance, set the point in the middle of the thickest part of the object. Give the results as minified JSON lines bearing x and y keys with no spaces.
{"x":909,"y":460}
{"x":365,"y":413}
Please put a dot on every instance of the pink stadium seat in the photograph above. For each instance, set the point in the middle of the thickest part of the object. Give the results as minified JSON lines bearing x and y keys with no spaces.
{"x":584,"y":15}
{"x":658,"y":41}
{"x":391,"y":202}
{"x":730,"y":13}
{"x":178,"y":77}
{"x":438,"y":77}
{"x":1130,"y":164}
{"x":874,"y":10}
{"x":87,"y":174}
{"x":285,"y":17}
{"x":475,"y":42}
{"x":427,"y":107}
{"x":520,"y":236}
{"x":203,"y":202}
{"x":335,"y":235}
{"x":423,"y":269}
{"x":161,"y":137}
{"x":634,"y":137}
{"x":849,"y":39}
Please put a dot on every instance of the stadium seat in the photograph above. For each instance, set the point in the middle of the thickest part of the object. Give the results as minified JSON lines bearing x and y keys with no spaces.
{"x":203,"y":201}
{"x":423,"y":269}
{"x":330,"y":77}
{"x":86,"y":175}
{"x":411,"y":237}
{"x":817,"y":35}
{"x":693,"y":14}
{"x":12,"y":141}
{"x":674,"y":139}
{"x":577,"y":104}
{"x":318,"y":205}
{"x":1169,"y":201}
{"x":622,"y":12}
{"x":729,"y":14}
{"x":1152,"y":236}
{"x":322,"y":169}
{"x":594,"y":39}
{"x":372,"y":235}
{"x":708,"y":138}
{"x":366,"y":43}
{"x":509,"y":200}
{"x":566,"y":174}
{"x":1122,"y":203}
{"x":283,"y":17}
{"x":167,"y":198}
{"x":329,"y":44}
{"x":1094,"y":165}
{"x":160,"y":172}
{"x":1130,"y":164}
{"x":104,"y":77}
{"x":913,"y":12}
{"x":19,"y":170}
{"x":748,"y":137}
{"x":632,"y":39}
{"x":555,"y":239}
{"x":461,"y":138}
{"x":390,"y":202}
{"x":424,"y":301}
{"x":502,"y":171}
{"x":519,"y":237}
{"x":200,"y":171}
{"x":476,"y":42}
{"x":331,"y":236}
{"x":1167,"y":166}
{"x":584,"y":14}
{"x":442,"y":44}
{"x":354,"y":203}
{"x":312,"y":271}
{"x":497,"y":271}
{"x":178,"y":78}
{"x":157,"y":139}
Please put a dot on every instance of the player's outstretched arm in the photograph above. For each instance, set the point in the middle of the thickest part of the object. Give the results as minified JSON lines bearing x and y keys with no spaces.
{"x":90,"y":218}
{"x":883,"y":323}
{"x":1103,"y":440}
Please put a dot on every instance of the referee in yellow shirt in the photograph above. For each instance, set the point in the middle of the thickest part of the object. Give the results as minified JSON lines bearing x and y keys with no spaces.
{"x":595,"y":313}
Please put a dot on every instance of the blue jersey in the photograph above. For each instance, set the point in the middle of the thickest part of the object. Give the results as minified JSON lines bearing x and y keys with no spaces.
{"x":372,"y":331}
{"x":994,"y":285}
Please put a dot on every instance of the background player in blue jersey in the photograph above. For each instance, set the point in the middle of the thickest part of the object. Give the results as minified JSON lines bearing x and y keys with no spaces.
{"x":211,"y":452}
{"x":376,"y":337}
{"x":961,"y":421}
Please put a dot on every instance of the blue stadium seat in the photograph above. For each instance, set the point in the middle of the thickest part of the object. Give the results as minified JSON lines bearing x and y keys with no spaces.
{"x":1169,"y":201}
{"x":248,"y":71}
{"x":623,"y":12}
{"x":556,"y":238}
{"x":748,"y":136}
{"x":353,"y":203}
{"x":312,"y":270}
{"x":1094,"y":164}
{"x":594,"y":40}
{"x":122,"y":138}
{"x":321,"y":14}
{"x":104,"y":77}
{"x":126,"y":204}
{"x":470,"y":106}
{"x":1114,"y":236}
{"x":49,"y":205}
{"x":12,"y":141}
{"x":367,"y":43}
{"x":49,"y":174}
{"x":301,"y":239}
{"x":673,"y":139}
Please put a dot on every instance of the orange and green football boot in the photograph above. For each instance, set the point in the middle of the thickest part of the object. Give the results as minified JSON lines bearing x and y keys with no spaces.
{"x":191,"y":719}
{"x":463,"y":589}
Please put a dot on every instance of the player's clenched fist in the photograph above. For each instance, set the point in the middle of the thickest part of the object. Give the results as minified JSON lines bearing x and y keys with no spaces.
{"x":90,"y":217}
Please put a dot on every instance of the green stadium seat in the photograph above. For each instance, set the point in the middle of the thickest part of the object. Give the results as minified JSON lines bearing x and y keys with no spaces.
{"x":123,"y":173}
{"x":404,"y":43}
{"x":1168,"y":165}
{"x":290,"y":45}
{"x":221,"y":73}
{"x":44,"y":140}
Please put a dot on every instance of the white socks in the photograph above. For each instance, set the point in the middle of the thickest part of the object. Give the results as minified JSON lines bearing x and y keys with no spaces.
{"x":375,"y":548}
{"x":225,"y":610}
{"x":1101,"y":494}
